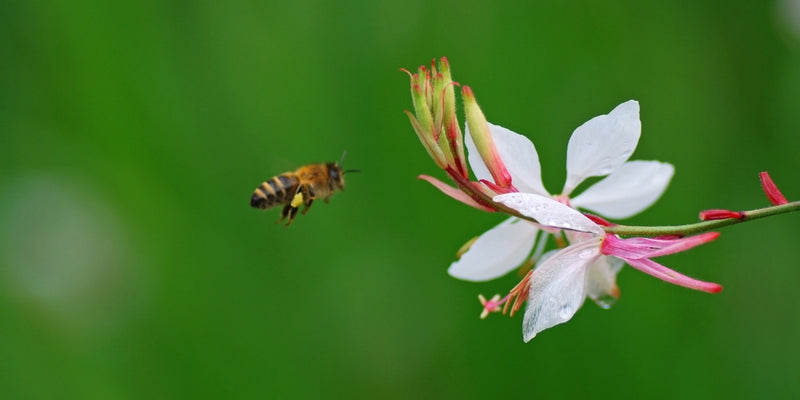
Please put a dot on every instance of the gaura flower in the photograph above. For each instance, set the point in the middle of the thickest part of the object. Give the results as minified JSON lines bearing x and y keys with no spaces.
{"x":588,"y":266}
{"x":599,"y":147}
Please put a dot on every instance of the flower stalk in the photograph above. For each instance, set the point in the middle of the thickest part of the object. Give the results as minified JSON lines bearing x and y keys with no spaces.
{"x":704,"y":226}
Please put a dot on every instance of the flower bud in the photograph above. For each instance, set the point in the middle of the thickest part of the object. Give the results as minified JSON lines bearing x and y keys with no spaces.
{"x":710,"y":215}
{"x":771,"y":190}
{"x":479,"y":130}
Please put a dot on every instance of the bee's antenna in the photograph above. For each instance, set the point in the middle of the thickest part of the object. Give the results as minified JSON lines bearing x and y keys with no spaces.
{"x":342,"y":162}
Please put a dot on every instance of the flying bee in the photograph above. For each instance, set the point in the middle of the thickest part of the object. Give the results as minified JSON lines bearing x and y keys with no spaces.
{"x":302,"y":186}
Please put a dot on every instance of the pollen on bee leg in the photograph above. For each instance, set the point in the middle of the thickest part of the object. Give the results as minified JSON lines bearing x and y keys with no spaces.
{"x":297,"y":200}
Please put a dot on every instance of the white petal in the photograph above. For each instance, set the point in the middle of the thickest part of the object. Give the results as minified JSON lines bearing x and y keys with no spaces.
{"x":518,"y":154}
{"x":548,"y":212}
{"x":558,"y":288}
{"x":632,"y":188}
{"x":602,"y":280}
{"x":602,"y":144}
{"x":496,"y":252}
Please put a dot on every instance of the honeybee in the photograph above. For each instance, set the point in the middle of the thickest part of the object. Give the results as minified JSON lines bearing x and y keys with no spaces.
{"x":303,"y":186}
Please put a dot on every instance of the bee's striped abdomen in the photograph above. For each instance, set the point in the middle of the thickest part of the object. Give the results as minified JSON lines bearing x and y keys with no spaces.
{"x":278,"y":190}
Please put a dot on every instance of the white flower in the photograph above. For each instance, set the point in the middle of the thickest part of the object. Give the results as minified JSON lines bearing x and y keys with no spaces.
{"x":599,"y":147}
{"x":563,"y":278}
{"x":589,"y":265}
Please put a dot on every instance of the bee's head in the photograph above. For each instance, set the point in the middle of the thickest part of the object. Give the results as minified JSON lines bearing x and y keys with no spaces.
{"x":336,"y":175}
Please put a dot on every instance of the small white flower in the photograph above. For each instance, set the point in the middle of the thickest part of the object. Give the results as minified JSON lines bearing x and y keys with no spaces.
{"x":599,"y":147}
{"x":564,"y":278}
{"x":589,"y":265}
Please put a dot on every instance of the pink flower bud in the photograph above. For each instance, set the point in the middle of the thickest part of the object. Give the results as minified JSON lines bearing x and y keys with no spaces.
{"x":771,"y":190}
{"x":710,"y":215}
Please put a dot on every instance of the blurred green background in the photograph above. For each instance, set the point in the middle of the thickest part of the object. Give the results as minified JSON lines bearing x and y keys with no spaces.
{"x":132,"y":136}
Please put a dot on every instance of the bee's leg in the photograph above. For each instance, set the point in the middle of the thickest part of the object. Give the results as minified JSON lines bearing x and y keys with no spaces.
{"x":286,"y":212}
{"x":290,"y":209}
{"x":308,"y":205}
{"x":292,"y":213}
{"x":308,"y":192}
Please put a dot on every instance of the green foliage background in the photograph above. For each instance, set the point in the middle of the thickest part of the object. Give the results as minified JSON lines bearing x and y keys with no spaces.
{"x":132,"y":135}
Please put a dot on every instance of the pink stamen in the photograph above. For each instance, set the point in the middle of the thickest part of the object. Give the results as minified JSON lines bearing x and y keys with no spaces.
{"x":642,"y":247}
{"x":638,"y":251}
{"x":659,"y":271}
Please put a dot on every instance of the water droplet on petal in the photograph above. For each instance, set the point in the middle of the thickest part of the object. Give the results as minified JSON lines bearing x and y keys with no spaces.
{"x":565,"y":312}
{"x":605,"y":301}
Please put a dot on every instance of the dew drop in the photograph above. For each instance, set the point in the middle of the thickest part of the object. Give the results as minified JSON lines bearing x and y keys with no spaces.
{"x":565,"y":312}
{"x":605,"y":301}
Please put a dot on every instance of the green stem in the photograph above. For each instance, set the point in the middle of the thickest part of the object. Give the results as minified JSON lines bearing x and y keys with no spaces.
{"x":690,"y":229}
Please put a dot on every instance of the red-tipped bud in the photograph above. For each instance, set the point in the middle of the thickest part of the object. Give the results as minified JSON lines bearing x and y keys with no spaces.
{"x":434,"y":118}
{"x":710,"y":215}
{"x":771,"y":190}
